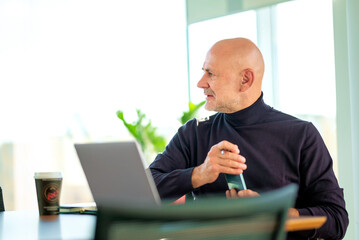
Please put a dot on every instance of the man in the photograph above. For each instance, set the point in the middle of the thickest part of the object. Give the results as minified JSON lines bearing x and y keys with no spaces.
{"x":270,"y":148}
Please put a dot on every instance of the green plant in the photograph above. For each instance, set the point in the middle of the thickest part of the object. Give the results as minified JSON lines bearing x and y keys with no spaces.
{"x":191,"y":113}
{"x":145,"y":134}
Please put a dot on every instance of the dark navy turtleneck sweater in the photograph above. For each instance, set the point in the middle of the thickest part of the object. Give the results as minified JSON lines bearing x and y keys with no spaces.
{"x":279,"y":149}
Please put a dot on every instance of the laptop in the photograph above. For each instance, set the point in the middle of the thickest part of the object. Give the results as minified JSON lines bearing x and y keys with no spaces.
{"x":116,"y":174}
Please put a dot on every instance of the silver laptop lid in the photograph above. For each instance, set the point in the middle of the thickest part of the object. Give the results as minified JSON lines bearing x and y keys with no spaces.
{"x":116,"y":174}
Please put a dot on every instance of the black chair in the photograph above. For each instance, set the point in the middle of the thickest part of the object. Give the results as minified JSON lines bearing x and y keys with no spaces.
{"x":2,"y":208}
{"x":257,"y":218}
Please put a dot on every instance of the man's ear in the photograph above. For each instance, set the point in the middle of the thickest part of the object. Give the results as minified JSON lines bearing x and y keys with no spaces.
{"x":247,"y":79}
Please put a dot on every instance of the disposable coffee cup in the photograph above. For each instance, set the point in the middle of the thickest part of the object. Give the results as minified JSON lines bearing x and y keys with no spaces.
{"x":48,"y":189}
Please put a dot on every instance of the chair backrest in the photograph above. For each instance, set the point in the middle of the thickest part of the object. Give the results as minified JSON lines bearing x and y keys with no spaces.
{"x":211,"y":218}
{"x":2,"y":208}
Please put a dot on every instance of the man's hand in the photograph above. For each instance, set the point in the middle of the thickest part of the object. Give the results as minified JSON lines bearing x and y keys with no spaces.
{"x":233,"y":193}
{"x":223,"y":157}
{"x":292,"y":212}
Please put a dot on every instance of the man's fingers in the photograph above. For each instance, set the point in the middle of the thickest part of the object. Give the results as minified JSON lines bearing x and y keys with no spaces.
{"x":247,"y":193}
{"x":230,"y":170}
{"x":292,"y":212}
{"x":231,"y":194}
{"x":227,"y":146}
{"x":233,"y":156}
{"x":232,"y":166}
{"x":228,"y":194}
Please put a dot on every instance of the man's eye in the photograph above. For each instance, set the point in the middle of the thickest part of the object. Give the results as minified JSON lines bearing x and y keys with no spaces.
{"x":208,"y":72}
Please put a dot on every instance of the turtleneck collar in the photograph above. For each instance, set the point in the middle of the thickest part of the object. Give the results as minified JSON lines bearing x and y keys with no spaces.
{"x":248,"y":116}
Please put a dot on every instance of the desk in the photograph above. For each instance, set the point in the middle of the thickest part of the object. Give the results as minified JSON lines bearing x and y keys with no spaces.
{"x":29,"y":225}
{"x":304,"y":223}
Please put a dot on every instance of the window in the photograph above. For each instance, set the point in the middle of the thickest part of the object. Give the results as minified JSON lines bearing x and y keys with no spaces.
{"x":66,"y":67}
{"x":306,"y":68}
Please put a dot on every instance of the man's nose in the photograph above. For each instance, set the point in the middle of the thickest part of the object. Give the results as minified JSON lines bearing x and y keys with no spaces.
{"x":202,"y":83}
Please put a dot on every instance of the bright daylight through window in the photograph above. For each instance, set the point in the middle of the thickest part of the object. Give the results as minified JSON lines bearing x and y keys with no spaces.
{"x":67,"y":67}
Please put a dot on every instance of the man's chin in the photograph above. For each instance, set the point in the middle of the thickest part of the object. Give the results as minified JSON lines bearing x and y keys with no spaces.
{"x":209,"y":107}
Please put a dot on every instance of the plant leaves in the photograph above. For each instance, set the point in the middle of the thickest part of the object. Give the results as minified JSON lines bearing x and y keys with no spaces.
{"x":191,"y":113}
{"x":145,"y":135}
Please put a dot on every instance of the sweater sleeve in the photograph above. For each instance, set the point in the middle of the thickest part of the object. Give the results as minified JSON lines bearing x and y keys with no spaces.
{"x":172,"y":169}
{"x":319,"y":190}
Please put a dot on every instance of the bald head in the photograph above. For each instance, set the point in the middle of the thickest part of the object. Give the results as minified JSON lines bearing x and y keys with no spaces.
{"x":241,"y":53}
{"x":233,"y":75}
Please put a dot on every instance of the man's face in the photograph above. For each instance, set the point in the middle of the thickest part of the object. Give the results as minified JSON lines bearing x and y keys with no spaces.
{"x":220,"y":82}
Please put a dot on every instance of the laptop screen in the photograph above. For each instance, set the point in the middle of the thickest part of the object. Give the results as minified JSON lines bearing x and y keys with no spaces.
{"x":116,"y":174}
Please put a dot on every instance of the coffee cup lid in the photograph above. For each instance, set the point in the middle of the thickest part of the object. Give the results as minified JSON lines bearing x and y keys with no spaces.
{"x":47,"y":175}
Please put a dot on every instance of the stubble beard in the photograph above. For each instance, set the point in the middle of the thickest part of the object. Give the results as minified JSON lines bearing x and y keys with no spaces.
{"x":215,"y":106}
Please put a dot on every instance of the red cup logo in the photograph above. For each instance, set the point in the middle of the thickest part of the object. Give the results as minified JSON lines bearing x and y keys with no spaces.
{"x":51,"y":192}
